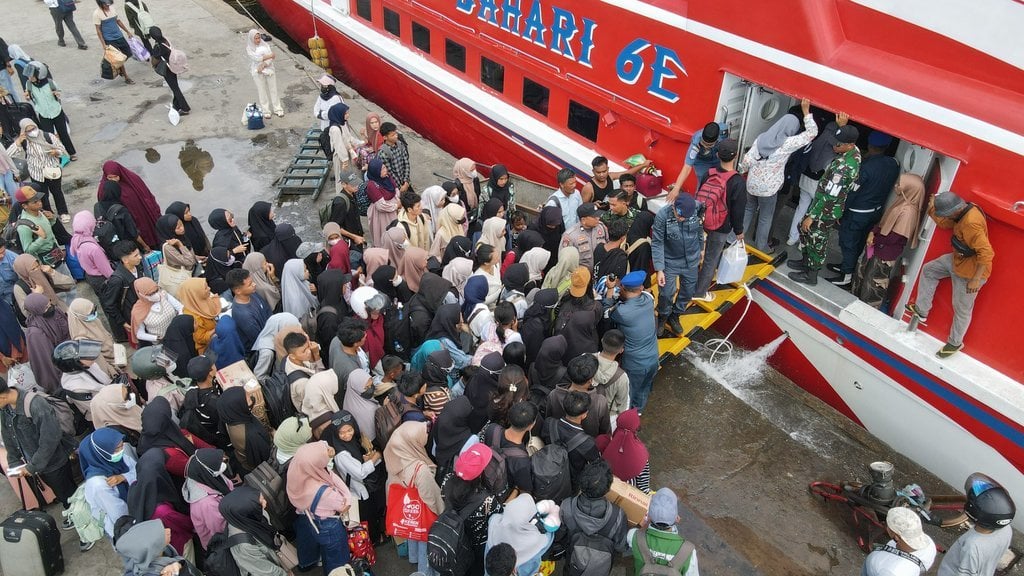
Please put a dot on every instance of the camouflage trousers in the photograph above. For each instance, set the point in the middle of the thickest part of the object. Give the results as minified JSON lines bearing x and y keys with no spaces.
{"x":815,"y":243}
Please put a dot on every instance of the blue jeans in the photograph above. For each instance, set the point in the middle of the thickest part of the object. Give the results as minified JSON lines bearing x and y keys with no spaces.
{"x":641,"y":380}
{"x":668,"y":301}
{"x":9,"y":185}
{"x":331,"y":542}
{"x":418,"y":557}
{"x":764,"y":206}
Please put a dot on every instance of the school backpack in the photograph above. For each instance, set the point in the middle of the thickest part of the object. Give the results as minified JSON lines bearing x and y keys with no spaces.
{"x":388,"y":417}
{"x":106,"y":233}
{"x":325,"y":143}
{"x":271,"y":481}
{"x":61,"y":409}
{"x":11,"y":236}
{"x":89,"y":529}
{"x":327,"y":209}
{"x":362,"y":199}
{"x":449,"y":550}
{"x":552,"y":474}
{"x":277,"y":393}
{"x":219,"y":561}
{"x":712,"y":195}
{"x":398,"y":332}
{"x":651,"y":567}
{"x":591,"y":554}
{"x":253,"y":117}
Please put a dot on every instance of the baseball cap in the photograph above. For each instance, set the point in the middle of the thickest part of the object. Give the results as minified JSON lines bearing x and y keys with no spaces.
{"x":685,"y":205}
{"x":727,"y":149}
{"x":578,"y":281}
{"x":711,"y":132}
{"x":27,"y":194}
{"x":471,"y":463}
{"x":199,"y":368}
{"x":586,"y":209}
{"x":326,"y":80}
{"x":350,"y":177}
{"x":847,"y":134}
{"x":664,"y":507}
{"x":947,"y":204}
{"x":906,"y":524}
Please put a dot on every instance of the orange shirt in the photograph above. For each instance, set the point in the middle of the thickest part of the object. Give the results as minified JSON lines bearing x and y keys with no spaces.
{"x":973,"y":230}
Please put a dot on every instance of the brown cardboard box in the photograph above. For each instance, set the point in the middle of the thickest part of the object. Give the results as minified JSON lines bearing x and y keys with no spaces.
{"x":632,"y":500}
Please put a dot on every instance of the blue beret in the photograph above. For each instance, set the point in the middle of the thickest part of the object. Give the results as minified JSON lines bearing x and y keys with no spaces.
{"x":634,"y":279}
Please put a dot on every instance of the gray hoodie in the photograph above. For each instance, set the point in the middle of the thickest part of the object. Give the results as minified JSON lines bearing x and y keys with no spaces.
{"x":613,"y":384}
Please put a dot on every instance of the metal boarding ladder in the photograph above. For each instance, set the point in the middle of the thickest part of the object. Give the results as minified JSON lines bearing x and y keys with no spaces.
{"x":308,"y":170}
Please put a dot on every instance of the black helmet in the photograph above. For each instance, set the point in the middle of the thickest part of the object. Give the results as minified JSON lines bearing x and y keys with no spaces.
{"x":151,"y":362}
{"x":988,"y":503}
{"x":68,"y":356}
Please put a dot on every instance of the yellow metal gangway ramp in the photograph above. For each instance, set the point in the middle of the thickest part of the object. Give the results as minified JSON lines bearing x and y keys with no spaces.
{"x":702,"y":315}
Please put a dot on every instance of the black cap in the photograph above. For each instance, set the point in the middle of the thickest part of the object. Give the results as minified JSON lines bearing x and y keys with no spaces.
{"x":727,"y":149}
{"x":847,"y":134}
{"x":711,"y":132}
{"x":586,"y":209}
{"x":199,"y":368}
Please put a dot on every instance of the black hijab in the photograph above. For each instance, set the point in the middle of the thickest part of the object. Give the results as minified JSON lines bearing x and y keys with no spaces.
{"x":328,"y":92}
{"x":216,"y":268}
{"x":197,"y":239}
{"x":433,"y":290}
{"x":165,"y":226}
{"x":445,"y":323}
{"x":640,"y":258}
{"x":283,"y":247}
{"x":159,"y":429}
{"x":550,"y":216}
{"x":536,"y":323}
{"x":153,"y":486}
{"x":453,"y":429}
{"x":482,"y":386}
{"x":226,"y":236}
{"x":516,"y":277}
{"x":502,"y":193}
{"x":241,"y":508}
{"x":547,"y":369}
{"x":203,"y":467}
{"x":382,"y":281}
{"x":261,"y":227}
{"x":180,"y":339}
{"x":329,"y":289}
{"x":439,"y":365}
{"x":580,"y":335}
{"x":458,"y":247}
{"x":233,"y":407}
{"x":528,"y":240}
{"x":490,"y":209}
{"x":330,"y":435}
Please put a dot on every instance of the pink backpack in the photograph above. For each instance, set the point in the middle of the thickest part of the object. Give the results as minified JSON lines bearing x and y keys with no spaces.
{"x":177,"y":62}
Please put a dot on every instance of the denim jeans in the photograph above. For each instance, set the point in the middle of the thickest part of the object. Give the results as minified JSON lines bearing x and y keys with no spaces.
{"x":641,"y":380}
{"x":668,"y":300}
{"x":8,"y":183}
{"x":333,"y":541}
{"x":764,"y":206}
{"x":418,"y":557}
{"x":807,"y":189}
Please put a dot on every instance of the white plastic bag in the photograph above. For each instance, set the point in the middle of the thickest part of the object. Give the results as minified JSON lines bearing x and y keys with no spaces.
{"x":733,"y":263}
{"x":173,"y":116}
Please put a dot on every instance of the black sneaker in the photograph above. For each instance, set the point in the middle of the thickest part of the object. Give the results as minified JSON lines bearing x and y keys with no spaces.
{"x":834,"y":268}
{"x":61,"y":43}
{"x":67,"y":524}
{"x":85,"y":546}
{"x":674,"y":325}
{"x":841,"y":279}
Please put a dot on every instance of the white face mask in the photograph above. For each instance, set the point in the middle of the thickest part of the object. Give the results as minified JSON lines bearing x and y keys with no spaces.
{"x":396,"y":281}
{"x":454,"y":199}
{"x":152,"y":297}
{"x":128,"y":403}
{"x":333,"y":242}
{"x":330,"y":464}
{"x":223,"y":468}
{"x":406,"y":244}
{"x":33,"y":133}
{"x":474,"y":174}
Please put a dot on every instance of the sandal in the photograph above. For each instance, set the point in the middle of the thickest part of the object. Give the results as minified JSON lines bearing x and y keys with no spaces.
{"x":74,"y":157}
{"x":129,"y":81}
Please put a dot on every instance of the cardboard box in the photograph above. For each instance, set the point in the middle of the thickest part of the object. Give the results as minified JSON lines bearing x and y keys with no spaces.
{"x":632,"y":500}
{"x":236,"y":374}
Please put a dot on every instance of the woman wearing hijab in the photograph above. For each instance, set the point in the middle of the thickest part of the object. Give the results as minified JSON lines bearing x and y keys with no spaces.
{"x":580,"y":334}
{"x":433,"y":291}
{"x":413,"y":266}
{"x":154,"y":496}
{"x":550,"y":226}
{"x":558,"y":277}
{"x":296,"y":297}
{"x":243,"y":512}
{"x":638,"y":243}
{"x":265,"y":345}
{"x":337,"y":247}
{"x":407,"y":462}
{"x":536,"y":260}
{"x":328,"y":97}
{"x":370,"y":305}
{"x":374,"y":139}
{"x":153,"y":311}
{"x":34,"y":275}
{"x":343,"y":141}
{"x":226,"y":345}
{"x":321,"y":498}
{"x":262,"y":274}
{"x":261,"y":67}
{"x":499,"y":185}
{"x":474,"y":299}
{"x":321,"y":393}
{"x":228,"y":235}
{"x":180,"y":339}
{"x":359,"y":402}
{"x":450,"y":433}
{"x":177,"y":251}
{"x":111,"y":209}
{"x":897,"y":228}
{"x":387,"y":281}
{"x":117,"y":407}
{"x":250,"y":439}
{"x":195,"y":237}
{"x":161,"y":431}
{"x":84,"y":324}
{"x":625,"y":453}
{"x":12,"y":338}
{"x":548,"y":371}
{"x":449,"y":224}
{"x":45,"y":97}
{"x":203,"y":307}
{"x":516,"y":285}
{"x":216,"y":270}
{"x":261,"y":224}
{"x":363,"y":466}
{"x":47,"y":327}
{"x":516,"y":525}
{"x":206,"y":483}
{"x":41,"y":151}
{"x":136,"y":197}
{"x":433,"y":200}
{"x":161,"y":52}
{"x":447,"y":327}
{"x":458,"y":247}
{"x":330,"y":287}
{"x":527,"y":240}
{"x":283,"y":246}
{"x":381,"y":190}
{"x":146,"y":549}
{"x":109,"y":469}
{"x":482,"y":387}
{"x":486,"y":262}
{"x":468,"y":182}
{"x":396,"y":241}
{"x":493,"y":234}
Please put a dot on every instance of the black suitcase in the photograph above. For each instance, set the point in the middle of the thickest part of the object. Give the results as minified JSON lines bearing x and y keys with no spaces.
{"x":30,"y":545}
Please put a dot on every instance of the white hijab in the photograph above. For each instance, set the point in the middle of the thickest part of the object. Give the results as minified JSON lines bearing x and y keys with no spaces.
{"x":296,"y":299}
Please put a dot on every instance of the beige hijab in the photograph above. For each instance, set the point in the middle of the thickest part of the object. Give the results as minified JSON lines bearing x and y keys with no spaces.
{"x":320,"y":391}
{"x":80,"y":329}
{"x":463,"y":172}
{"x":30,"y":270}
{"x":904,"y":216}
{"x":107,"y":409}
{"x":405,"y":449}
{"x":265,"y":285}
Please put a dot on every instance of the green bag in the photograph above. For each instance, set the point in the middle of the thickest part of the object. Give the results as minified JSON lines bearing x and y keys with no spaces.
{"x":88,"y":527}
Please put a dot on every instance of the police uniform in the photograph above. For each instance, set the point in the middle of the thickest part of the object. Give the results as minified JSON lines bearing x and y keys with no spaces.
{"x":585,"y":240}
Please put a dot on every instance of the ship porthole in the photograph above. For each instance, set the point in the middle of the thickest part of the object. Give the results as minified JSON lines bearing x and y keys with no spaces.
{"x":770,"y":108}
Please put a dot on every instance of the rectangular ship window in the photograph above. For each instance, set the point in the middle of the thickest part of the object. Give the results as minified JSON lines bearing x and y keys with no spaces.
{"x":492,"y":74}
{"x":363,"y":9}
{"x":583,"y":120}
{"x":392,"y":22}
{"x":455,"y":55}
{"x":421,"y":36}
{"x":535,"y":96}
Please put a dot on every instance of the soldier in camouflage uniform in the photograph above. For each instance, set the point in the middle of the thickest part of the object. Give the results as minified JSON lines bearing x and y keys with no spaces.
{"x":619,"y":209}
{"x":827,"y":206}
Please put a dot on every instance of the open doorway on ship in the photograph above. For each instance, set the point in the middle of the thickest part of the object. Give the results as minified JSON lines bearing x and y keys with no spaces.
{"x":750,"y":109}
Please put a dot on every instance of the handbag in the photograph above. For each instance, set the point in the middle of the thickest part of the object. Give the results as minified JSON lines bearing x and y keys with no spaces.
{"x":359,"y":543}
{"x":55,"y":257}
{"x":61,"y":281}
{"x":407,"y":514}
{"x":160,"y":67}
{"x":287,"y":555}
{"x":51,"y":172}
{"x":115,"y":57}
{"x":170,"y":277}
{"x":139,"y":51}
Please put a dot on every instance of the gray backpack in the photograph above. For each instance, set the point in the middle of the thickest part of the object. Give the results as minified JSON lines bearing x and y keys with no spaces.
{"x":590,"y":554}
{"x":652,"y":567}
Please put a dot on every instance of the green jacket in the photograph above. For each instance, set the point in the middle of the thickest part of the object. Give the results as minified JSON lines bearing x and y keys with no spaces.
{"x":830,"y":197}
{"x":663,"y":545}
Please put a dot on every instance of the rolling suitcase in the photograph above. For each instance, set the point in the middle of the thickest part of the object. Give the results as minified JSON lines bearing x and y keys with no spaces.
{"x":30,"y":545}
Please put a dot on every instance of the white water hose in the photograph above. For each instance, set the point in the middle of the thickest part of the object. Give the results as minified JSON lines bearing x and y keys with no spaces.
{"x":717,"y":345}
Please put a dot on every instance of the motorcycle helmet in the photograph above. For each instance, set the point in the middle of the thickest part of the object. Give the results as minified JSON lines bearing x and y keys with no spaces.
{"x":68,"y":356}
{"x":988,"y":504}
{"x":153,"y":362}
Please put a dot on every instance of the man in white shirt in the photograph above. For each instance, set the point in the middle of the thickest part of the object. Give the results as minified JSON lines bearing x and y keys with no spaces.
{"x":566,"y":197}
{"x":909,"y":553}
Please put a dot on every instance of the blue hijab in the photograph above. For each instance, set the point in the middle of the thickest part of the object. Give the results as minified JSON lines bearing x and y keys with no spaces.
{"x":474,"y":293}
{"x":226,"y":343}
{"x":336,"y":114}
{"x":373,"y":171}
{"x":94,"y":455}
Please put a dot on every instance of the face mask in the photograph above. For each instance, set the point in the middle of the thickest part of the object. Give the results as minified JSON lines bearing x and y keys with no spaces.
{"x":330,"y":464}
{"x":333,"y":242}
{"x":223,"y":468}
{"x":474,"y":174}
{"x":325,"y":90}
{"x":152,"y":297}
{"x":396,"y":281}
{"x":454,"y":199}
{"x":33,"y":133}
{"x":92,"y":316}
{"x":406,"y":244}
{"x":116,"y":456}
{"x":129,"y":402}
{"x":450,"y":298}
{"x":230,"y":262}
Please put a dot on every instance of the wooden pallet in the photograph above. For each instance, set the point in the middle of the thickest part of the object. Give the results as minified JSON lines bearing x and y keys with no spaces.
{"x":309,"y":169}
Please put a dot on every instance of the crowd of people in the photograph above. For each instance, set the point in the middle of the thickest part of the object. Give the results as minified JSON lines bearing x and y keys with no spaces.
{"x":497,"y":364}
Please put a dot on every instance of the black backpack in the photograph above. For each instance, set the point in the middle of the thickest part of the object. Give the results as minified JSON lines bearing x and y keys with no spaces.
{"x":11,"y":236}
{"x":270,"y":479}
{"x":219,"y":561}
{"x":398,"y":332}
{"x":325,"y":143}
{"x":552,"y":473}
{"x":277,"y":393}
{"x":106,"y":233}
{"x":449,"y":550}
{"x":591,"y":554}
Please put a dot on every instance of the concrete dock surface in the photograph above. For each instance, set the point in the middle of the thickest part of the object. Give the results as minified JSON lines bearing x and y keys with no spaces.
{"x":735,"y":440}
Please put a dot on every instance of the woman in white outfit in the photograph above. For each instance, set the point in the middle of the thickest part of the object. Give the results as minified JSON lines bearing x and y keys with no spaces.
{"x":328,"y":97}
{"x":261,"y":66}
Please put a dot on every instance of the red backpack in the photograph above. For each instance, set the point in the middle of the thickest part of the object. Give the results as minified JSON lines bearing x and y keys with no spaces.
{"x":712,"y":195}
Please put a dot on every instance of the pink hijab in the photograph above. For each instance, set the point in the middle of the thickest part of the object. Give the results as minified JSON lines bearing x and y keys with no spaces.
{"x":307,"y":472}
{"x":625,"y":453}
